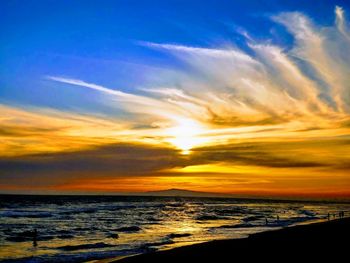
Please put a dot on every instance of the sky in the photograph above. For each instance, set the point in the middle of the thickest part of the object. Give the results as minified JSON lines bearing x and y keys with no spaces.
{"x":250,"y":98}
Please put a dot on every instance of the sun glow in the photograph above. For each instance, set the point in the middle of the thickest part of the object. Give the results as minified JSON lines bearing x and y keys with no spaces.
{"x":186,"y":135}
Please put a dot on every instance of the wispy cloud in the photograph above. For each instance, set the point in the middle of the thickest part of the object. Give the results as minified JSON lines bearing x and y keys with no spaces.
{"x":341,"y":22}
{"x":226,"y":88}
{"x":133,"y":103}
{"x":231,"y":87}
{"x":231,"y":93}
{"x":209,"y":52}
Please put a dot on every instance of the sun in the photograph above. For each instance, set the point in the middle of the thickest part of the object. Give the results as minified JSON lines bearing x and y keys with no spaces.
{"x":186,"y":135}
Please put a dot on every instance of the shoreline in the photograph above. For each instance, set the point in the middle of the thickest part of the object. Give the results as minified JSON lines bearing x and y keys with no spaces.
{"x":323,"y":235}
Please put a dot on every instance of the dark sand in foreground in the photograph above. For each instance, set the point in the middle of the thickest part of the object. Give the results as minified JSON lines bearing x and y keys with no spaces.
{"x":326,"y":241}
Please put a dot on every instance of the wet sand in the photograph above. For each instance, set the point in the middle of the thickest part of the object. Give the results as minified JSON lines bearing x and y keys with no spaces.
{"x":329,"y":241}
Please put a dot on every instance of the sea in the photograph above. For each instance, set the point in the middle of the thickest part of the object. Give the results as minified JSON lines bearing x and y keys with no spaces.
{"x":87,"y":228}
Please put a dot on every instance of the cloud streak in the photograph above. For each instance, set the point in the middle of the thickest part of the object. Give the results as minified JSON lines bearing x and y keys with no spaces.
{"x":226,"y":88}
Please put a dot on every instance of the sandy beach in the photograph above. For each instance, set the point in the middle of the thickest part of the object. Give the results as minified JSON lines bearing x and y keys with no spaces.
{"x":322,"y":240}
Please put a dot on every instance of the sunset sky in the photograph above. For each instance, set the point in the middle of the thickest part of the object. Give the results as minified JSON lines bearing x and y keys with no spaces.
{"x":240,"y":97}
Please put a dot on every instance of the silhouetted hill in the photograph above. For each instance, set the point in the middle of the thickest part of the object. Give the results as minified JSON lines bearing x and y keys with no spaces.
{"x":184,"y":193}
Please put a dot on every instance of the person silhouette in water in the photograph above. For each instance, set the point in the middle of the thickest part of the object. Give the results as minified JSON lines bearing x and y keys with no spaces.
{"x":35,"y":237}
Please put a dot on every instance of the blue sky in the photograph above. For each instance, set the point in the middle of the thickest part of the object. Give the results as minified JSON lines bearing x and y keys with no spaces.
{"x":98,"y":41}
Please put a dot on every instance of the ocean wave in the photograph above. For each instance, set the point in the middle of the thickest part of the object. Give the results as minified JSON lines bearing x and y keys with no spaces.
{"x":64,"y":231}
{"x":26,"y":236}
{"x":85,"y":220}
{"x":128,"y":229}
{"x":82,"y":256}
{"x":244,"y":225}
{"x":174,"y":205}
{"x":150,"y":205}
{"x":152,"y":220}
{"x":253,"y":218}
{"x":295,"y":220}
{"x":65,"y":236}
{"x":113,"y":235}
{"x":157,"y":244}
{"x":78,"y":211}
{"x":86,"y":229}
{"x":270,"y":222}
{"x":85,"y":246}
{"x":27,"y":214}
{"x":307,"y":213}
{"x":178,"y":235}
{"x":209,"y":217}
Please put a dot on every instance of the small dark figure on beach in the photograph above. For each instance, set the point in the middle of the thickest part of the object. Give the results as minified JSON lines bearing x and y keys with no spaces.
{"x":328,"y":216}
{"x":278,"y":218}
{"x":266,"y":221}
{"x":35,"y":236}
